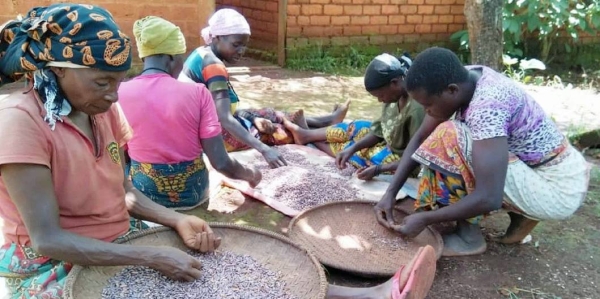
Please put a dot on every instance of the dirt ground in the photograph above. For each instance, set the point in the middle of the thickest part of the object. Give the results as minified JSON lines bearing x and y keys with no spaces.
{"x":561,"y":261}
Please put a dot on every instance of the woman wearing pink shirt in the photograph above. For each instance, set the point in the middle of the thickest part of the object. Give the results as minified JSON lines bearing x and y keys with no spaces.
{"x":173,"y":122}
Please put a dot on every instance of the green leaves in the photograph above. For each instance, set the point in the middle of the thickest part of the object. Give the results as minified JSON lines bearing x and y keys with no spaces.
{"x":548,"y":20}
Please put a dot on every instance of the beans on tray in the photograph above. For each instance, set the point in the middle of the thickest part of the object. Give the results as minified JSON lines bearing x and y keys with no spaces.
{"x":225,"y":275}
{"x":304,"y":184}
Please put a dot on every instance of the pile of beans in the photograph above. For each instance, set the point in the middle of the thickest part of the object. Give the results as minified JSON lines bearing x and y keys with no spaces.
{"x":225,"y":275}
{"x":302,"y":185}
{"x":395,"y":243}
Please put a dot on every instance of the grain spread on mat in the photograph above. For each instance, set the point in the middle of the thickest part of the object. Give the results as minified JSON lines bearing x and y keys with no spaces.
{"x":304,"y":184}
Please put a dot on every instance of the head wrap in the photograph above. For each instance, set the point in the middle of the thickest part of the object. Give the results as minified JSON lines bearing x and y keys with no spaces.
{"x":384,"y":68}
{"x":155,"y":36}
{"x":62,"y":35}
{"x":225,"y":21}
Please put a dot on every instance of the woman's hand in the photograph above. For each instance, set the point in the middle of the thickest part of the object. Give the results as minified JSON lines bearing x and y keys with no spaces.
{"x":384,"y":211}
{"x":273,"y":157}
{"x":412,"y":225}
{"x":196,"y":234}
{"x":255,"y":176}
{"x":264,"y":125}
{"x":342,"y":158}
{"x":175,"y":264}
{"x":367,"y":173}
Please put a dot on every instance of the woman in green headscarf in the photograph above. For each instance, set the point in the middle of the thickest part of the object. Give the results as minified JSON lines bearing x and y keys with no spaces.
{"x":64,"y":198}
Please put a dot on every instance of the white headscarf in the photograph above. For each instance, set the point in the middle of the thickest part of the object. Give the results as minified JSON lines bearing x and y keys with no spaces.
{"x":225,"y":21}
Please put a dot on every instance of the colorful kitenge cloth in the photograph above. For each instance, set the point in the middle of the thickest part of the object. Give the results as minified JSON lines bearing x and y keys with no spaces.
{"x":395,"y":127}
{"x":29,"y":275}
{"x":550,"y":191}
{"x":182,"y":185}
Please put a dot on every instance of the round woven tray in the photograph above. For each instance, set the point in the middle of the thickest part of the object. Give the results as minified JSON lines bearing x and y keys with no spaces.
{"x":342,"y":236}
{"x":303,"y":274}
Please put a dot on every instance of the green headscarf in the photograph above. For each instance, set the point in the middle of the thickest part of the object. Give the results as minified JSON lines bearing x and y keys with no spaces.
{"x":156,"y":36}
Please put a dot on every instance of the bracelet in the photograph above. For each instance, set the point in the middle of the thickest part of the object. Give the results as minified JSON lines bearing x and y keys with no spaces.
{"x":377,"y":170}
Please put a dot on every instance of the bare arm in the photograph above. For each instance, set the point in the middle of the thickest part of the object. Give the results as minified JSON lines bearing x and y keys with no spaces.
{"x":222,"y":162}
{"x":39,"y":210}
{"x":407,"y":164}
{"x":368,"y":141}
{"x":342,"y":158}
{"x":231,"y":125}
{"x":490,"y":163}
{"x":390,"y":166}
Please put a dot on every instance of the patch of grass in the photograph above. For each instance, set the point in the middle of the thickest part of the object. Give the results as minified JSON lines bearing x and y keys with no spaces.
{"x":347,"y":60}
{"x":574,"y":132}
{"x":262,"y":55}
{"x":352,"y":61}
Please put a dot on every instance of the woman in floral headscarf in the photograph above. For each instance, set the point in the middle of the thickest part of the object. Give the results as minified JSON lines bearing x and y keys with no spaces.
{"x":63,"y":195}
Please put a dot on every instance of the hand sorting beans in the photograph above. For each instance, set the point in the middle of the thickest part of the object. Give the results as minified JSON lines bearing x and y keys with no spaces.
{"x":225,"y":275}
{"x":304,"y":184}
{"x":393,"y":243}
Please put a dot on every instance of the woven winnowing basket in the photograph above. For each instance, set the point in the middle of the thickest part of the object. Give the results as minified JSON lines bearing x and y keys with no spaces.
{"x":324,"y":229}
{"x":303,"y":274}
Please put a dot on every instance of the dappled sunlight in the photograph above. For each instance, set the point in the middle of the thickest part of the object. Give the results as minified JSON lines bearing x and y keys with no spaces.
{"x":316,"y":95}
{"x":324,"y":234}
{"x":344,"y":241}
{"x":353,"y":242}
{"x":241,"y":222}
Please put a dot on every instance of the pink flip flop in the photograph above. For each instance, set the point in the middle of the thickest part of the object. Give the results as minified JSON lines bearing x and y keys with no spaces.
{"x":414,"y":280}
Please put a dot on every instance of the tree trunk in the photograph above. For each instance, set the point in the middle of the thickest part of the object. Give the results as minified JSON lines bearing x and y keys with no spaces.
{"x":484,"y":22}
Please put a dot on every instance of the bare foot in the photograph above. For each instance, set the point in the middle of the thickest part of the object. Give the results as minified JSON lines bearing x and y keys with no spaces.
{"x":298,"y":118}
{"x":296,"y":131}
{"x":520,"y":226}
{"x":340,"y":113}
{"x":466,"y":240}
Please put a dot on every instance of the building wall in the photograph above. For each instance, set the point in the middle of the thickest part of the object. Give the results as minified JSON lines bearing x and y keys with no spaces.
{"x":263,"y":18}
{"x":190,"y":15}
{"x":374,"y":22}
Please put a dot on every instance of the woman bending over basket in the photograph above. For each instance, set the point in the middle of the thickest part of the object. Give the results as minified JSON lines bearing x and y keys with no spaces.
{"x":63,"y":194}
{"x":173,"y":123}
{"x":373,"y":147}
{"x":226,"y":38}
{"x":485,"y":144}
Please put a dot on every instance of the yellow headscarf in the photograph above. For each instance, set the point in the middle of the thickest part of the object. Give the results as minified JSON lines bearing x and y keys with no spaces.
{"x":155,"y":36}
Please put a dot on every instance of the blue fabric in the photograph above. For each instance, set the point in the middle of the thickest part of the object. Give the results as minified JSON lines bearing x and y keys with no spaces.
{"x":180,"y":185}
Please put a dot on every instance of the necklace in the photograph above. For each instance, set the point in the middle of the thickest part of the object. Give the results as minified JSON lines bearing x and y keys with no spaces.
{"x":156,"y":69}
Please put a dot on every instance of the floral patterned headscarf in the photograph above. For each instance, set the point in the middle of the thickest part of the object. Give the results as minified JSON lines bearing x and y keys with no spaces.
{"x":61,"y":35}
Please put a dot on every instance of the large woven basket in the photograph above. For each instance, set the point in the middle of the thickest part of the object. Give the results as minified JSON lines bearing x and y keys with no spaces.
{"x":340,"y":235}
{"x":303,"y":274}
